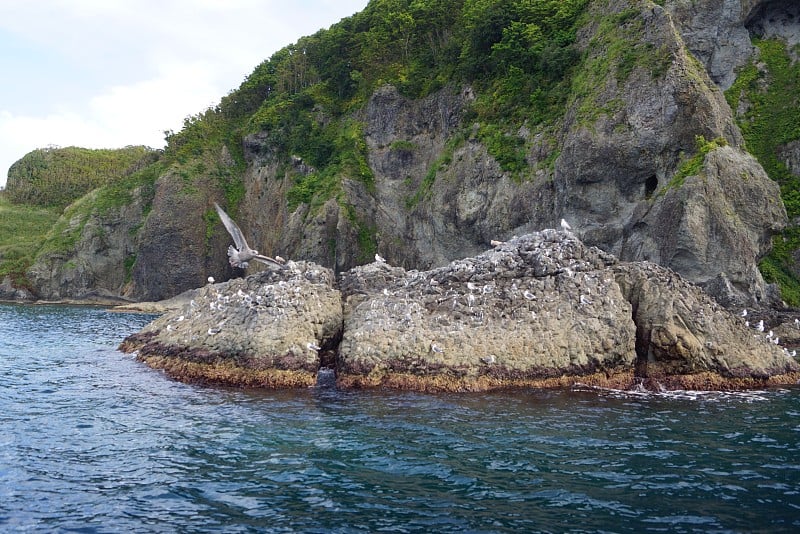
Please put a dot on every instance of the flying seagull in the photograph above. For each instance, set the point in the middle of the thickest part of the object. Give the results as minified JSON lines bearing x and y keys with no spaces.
{"x":239,"y":255}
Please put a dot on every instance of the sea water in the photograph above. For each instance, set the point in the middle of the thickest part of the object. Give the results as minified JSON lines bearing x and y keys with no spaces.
{"x":93,"y":441}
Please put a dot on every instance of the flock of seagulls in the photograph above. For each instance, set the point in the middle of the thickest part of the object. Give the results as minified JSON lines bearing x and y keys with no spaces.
{"x":769,"y":336}
{"x":240,"y":254}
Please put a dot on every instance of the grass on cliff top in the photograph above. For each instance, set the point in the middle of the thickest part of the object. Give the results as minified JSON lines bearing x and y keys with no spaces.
{"x":22,"y":232}
{"x":772,"y":119}
{"x":55,"y":177}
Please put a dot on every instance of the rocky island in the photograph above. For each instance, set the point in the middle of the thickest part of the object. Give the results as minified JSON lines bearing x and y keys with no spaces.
{"x":540,"y":310}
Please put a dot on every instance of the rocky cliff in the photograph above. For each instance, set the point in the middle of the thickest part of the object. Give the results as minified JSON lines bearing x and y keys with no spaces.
{"x":645,"y":161}
{"x":613,"y":169}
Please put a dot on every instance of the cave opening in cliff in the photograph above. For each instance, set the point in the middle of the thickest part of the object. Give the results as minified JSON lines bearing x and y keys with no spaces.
{"x":650,"y":187}
{"x":779,"y":18}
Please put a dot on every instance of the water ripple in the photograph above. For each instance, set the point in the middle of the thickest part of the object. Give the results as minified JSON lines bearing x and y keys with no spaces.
{"x":93,"y":441}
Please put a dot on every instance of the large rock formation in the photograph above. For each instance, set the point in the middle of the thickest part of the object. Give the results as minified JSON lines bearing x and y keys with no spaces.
{"x":266,"y":330}
{"x":176,"y":250}
{"x":97,"y":267}
{"x":539,"y":310}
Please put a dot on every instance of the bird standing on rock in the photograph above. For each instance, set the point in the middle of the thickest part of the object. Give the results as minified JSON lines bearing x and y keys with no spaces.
{"x":239,"y":255}
{"x":565,"y":226}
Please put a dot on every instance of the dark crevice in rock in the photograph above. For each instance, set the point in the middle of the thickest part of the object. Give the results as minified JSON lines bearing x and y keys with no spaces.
{"x":650,"y":187}
{"x":770,"y":18}
{"x":329,"y":351}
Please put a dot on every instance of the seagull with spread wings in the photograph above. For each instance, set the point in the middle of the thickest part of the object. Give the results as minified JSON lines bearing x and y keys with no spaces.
{"x":239,"y":255}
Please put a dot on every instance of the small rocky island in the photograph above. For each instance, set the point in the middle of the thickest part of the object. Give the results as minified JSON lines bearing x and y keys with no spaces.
{"x":540,"y":310}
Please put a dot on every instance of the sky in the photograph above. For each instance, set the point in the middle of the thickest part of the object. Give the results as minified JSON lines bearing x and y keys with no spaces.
{"x":113,"y":73}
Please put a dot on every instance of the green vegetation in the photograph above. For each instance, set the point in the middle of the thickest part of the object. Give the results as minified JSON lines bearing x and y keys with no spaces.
{"x":366,"y":238}
{"x":618,"y":47}
{"x":54,"y":177}
{"x":403,"y":146}
{"x":519,"y":55}
{"x":22,"y":232}
{"x":772,"y":119}
{"x":694,"y":165}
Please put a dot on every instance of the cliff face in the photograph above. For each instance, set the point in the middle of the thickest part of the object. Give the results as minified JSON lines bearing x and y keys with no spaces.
{"x":97,"y":267}
{"x":646,"y":163}
{"x":611,"y":169}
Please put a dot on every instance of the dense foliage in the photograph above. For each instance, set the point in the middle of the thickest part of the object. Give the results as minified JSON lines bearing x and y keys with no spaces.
{"x":516,"y":53}
{"x":55,"y":177}
{"x":771,"y":120}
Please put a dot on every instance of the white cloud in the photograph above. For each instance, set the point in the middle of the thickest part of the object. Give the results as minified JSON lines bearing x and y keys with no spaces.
{"x":129,"y":70}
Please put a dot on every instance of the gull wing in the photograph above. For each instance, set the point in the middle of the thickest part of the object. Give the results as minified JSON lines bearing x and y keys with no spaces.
{"x":268,"y":261}
{"x":232,"y":228}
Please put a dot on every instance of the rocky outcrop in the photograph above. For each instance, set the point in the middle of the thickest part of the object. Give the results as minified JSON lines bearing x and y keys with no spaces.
{"x":8,"y":292}
{"x":535,"y":308}
{"x":539,"y":310}
{"x":176,"y":249}
{"x":716,"y":33}
{"x":266,"y":330}
{"x":681,"y":331}
{"x":714,"y":227}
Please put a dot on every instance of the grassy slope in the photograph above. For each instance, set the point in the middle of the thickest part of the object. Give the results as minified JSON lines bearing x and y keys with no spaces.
{"x":22,"y":232}
{"x":55,"y":177}
{"x":772,"y":119}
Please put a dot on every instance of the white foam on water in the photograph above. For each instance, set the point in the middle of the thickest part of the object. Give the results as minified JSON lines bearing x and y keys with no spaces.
{"x":681,"y":394}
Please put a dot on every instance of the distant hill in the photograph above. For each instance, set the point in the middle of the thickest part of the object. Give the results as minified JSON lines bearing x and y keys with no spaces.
{"x":55,"y":177}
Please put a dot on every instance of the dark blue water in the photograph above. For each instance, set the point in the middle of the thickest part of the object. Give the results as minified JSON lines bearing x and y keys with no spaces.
{"x":93,"y":441}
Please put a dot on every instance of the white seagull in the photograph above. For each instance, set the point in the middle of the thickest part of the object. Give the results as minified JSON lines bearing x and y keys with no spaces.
{"x":239,"y":255}
{"x":565,"y":226}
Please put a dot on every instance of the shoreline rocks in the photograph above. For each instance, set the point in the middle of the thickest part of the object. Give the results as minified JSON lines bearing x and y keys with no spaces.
{"x":541,"y":310}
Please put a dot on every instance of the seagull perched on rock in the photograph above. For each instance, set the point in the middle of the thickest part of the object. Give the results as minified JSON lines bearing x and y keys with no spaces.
{"x":239,"y":255}
{"x":565,"y":226}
